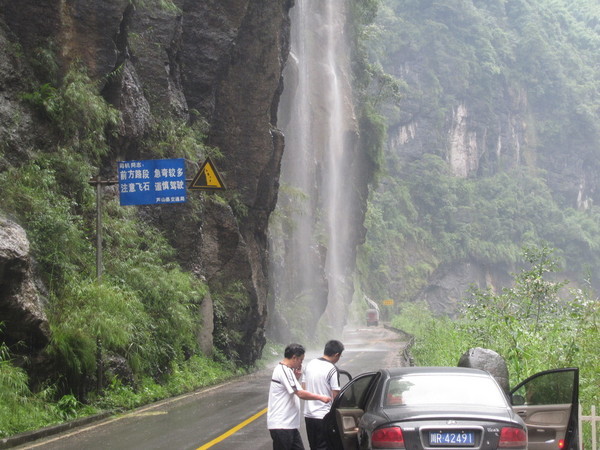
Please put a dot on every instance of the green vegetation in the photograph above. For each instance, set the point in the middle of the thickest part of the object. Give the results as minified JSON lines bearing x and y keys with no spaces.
{"x":486,"y":220}
{"x":535,"y":325}
{"x":429,"y":217}
{"x":22,"y":410}
{"x":535,"y":59}
{"x":80,"y":116}
{"x":145,"y":310}
{"x":470,"y":51}
{"x":197,"y":372}
{"x":367,"y":88}
{"x":170,"y":136}
{"x":164,"y":5}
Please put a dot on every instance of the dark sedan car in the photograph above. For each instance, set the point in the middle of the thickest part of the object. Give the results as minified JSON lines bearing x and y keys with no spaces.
{"x":429,"y":408}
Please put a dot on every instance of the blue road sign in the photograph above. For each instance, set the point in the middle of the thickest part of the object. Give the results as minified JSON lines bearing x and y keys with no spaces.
{"x":152,"y":182}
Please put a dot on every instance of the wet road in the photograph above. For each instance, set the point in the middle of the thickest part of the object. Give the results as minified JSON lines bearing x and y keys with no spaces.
{"x":228,"y":416}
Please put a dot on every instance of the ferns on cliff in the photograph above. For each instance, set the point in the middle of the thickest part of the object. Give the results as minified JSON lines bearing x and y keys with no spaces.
{"x":20,"y":409}
{"x":56,"y":230}
{"x":86,"y":311}
{"x":145,"y":309}
{"x":80,"y":116}
{"x":165,"y":5}
{"x":140,"y":259}
{"x":13,"y":381}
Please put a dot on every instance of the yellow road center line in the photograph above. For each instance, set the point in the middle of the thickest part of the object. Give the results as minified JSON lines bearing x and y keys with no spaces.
{"x":233,"y":430}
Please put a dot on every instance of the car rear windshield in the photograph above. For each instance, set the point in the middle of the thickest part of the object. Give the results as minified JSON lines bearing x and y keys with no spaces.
{"x":413,"y":390}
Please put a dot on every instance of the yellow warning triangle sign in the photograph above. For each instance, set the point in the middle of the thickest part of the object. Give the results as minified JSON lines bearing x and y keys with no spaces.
{"x":207,"y":178}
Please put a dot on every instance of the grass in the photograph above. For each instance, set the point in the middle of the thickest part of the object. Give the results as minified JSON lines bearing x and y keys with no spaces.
{"x":22,"y":410}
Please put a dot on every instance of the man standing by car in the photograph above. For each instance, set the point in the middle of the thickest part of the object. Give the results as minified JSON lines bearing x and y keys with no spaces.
{"x":285,"y":392}
{"x":321,"y":377}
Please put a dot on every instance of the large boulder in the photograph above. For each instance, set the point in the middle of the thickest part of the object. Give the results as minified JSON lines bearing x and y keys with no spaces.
{"x":22,"y":318}
{"x":488,"y":360}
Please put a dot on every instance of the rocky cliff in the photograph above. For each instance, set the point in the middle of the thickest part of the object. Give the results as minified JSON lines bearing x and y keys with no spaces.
{"x":216,"y":61}
{"x":492,"y":144}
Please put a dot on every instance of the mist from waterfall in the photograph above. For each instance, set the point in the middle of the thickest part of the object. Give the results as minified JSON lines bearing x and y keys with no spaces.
{"x":309,"y":274}
{"x":337,"y":221}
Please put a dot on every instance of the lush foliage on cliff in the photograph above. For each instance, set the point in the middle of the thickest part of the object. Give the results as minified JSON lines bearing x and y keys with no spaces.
{"x":527,"y":72}
{"x":430,"y":217}
{"x":142,"y":315}
{"x":368,"y":87}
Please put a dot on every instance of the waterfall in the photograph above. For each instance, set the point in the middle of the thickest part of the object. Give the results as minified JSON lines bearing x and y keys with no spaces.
{"x":309,"y":237}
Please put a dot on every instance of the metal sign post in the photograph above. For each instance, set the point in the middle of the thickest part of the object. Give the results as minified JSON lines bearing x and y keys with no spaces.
{"x":147,"y":182}
{"x":99,"y":265}
{"x":98,"y":229}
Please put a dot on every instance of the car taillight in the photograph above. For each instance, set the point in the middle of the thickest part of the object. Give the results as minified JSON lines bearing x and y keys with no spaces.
{"x":561,"y":443}
{"x":512,"y":437}
{"x":390,"y":437}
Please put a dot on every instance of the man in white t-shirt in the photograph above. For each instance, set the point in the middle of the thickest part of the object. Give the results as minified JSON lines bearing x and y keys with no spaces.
{"x":285,"y":392}
{"x":321,"y":377}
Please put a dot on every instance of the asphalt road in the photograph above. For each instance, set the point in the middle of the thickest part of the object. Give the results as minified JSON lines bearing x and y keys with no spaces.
{"x":228,"y":416}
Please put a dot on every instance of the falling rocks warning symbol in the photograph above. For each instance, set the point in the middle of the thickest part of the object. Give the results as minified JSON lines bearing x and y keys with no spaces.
{"x":207,"y":178}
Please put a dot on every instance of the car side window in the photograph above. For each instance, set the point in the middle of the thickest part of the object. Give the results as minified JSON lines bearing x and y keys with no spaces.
{"x":354,"y":395}
{"x":545,"y":389}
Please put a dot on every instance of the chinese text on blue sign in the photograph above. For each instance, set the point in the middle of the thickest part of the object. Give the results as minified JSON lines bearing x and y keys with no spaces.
{"x":152,"y":181}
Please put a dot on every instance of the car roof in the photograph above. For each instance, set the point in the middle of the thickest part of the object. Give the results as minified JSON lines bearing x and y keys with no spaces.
{"x":397,"y":371}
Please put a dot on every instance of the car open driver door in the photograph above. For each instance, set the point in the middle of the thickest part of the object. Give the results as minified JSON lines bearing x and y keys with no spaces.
{"x":548,"y":403}
{"x":348,"y":407}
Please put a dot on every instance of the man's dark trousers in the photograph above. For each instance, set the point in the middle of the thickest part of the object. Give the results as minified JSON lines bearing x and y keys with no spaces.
{"x":286,"y":440}
{"x":315,"y":430}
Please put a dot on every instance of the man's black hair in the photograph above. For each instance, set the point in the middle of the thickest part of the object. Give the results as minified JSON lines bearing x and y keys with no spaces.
{"x":293,"y":350}
{"x":333,"y":347}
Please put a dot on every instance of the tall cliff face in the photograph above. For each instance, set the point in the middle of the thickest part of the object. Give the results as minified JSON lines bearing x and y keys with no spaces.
{"x":492,"y":143}
{"x":220,"y":60}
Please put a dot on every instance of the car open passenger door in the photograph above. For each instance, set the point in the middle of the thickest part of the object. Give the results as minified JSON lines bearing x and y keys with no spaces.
{"x":341,"y":422}
{"x":548,"y":403}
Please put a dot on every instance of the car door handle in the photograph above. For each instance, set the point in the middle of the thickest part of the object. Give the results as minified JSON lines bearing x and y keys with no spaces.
{"x":522,"y":413}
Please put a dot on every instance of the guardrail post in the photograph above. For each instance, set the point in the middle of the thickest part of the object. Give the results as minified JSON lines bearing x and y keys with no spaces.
{"x":593,"y":418}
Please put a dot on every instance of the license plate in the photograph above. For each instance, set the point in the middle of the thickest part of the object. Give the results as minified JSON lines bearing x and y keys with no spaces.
{"x":457,"y":438}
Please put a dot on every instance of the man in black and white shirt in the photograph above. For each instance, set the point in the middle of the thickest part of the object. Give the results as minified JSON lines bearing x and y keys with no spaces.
{"x":321,"y":377}
{"x":285,"y":392}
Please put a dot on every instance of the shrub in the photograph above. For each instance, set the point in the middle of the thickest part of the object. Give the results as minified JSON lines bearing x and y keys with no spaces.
{"x":529,"y":324}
